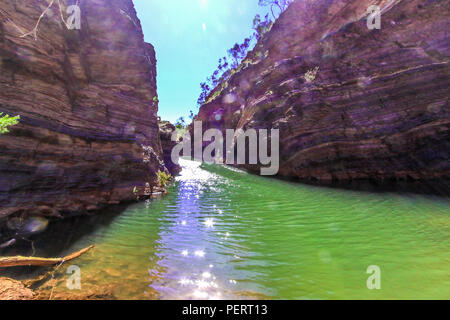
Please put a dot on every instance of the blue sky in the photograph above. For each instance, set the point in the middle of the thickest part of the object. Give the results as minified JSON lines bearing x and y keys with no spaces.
{"x":189,"y":38}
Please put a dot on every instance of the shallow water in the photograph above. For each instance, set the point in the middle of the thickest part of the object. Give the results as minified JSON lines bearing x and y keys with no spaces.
{"x":224,"y":234}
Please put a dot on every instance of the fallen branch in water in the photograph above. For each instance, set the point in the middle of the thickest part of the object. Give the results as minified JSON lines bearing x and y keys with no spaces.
{"x":19,"y":261}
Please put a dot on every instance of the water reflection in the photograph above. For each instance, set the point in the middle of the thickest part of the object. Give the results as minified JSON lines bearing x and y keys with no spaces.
{"x":193,"y":246}
{"x":225,"y":234}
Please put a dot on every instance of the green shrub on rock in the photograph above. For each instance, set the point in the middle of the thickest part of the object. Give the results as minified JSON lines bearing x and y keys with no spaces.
{"x":7,"y":121}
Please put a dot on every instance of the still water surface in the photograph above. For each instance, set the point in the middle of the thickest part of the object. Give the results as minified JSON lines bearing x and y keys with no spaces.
{"x":224,"y":234}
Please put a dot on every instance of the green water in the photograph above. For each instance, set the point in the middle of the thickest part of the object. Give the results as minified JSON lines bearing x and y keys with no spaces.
{"x":224,"y":234}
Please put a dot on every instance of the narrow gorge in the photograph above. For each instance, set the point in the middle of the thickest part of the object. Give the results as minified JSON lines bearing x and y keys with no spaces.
{"x":93,"y":205}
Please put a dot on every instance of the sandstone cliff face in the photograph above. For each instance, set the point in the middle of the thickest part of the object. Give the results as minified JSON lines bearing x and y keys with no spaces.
{"x":166,"y":129}
{"x":378,"y":107}
{"x":86,"y":101}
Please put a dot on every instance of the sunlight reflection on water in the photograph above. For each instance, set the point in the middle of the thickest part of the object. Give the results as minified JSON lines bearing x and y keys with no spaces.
{"x":192,"y":276}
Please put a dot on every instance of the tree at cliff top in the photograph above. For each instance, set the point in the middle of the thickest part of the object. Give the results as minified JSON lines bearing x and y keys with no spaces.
{"x":238,"y":53}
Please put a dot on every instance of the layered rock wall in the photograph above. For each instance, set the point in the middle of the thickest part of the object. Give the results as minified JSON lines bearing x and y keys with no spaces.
{"x":86,"y":102}
{"x":377,"y":108}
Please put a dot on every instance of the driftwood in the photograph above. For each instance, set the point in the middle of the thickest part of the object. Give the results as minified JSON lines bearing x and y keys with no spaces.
{"x":19,"y":261}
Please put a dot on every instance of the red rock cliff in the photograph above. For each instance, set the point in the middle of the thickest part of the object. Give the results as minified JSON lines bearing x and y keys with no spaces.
{"x":378,"y":107}
{"x":86,"y":101}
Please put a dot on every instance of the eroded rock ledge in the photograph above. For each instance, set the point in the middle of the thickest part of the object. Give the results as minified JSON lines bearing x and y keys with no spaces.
{"x":378,"y":106}
{"x":87,"y":104}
